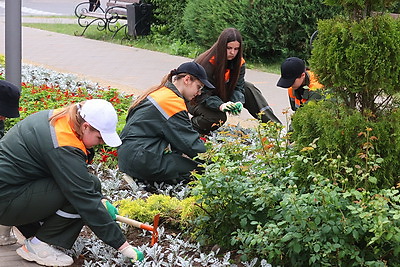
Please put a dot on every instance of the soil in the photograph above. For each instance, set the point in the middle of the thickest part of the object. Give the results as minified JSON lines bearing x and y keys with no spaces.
{"x":136,"y":239}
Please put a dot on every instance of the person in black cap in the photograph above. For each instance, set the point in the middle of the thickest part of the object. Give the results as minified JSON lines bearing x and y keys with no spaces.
{"x":9,"y":103}
{"x":158,"y":140}
{"x":300,"y":81}
{"x":226,"y":69}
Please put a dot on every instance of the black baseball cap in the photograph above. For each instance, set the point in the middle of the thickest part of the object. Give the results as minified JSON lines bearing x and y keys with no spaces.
{"x":196,"y":70}
{"x":9,"y":99}
{"x":291,"y":69}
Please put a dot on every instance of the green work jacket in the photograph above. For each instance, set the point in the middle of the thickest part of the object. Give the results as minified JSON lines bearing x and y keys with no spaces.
{"x":34,"y":150}
{"x":160,"y":121}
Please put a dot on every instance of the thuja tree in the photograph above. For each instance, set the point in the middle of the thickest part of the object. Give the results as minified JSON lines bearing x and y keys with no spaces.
{"x":357,"y":58}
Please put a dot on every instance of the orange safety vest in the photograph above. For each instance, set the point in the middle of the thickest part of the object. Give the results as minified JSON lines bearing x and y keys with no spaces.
{"x":227,"y":71}
{"x":313,"y":85}
{"x":64,"y":135}
{"x":167,"y":102}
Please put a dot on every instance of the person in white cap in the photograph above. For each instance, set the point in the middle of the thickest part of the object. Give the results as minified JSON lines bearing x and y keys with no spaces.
{"x":46,"y":190}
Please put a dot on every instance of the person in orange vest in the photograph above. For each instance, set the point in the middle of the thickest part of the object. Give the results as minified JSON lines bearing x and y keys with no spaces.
{"x":226,"y":69}
{"x":159,"y":143}
{"x":46,"y":190}
{"x":301,"y":82}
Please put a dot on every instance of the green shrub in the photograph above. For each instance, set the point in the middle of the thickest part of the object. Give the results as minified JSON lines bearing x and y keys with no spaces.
{"x":205,"y":20}
{"x":281,"y":28}
{"x":326,"y":227}
{"x":359,"y":60}
{"x":360,"y":8}
{"x":174,"y":212}
{"x":238,"y":160}
{"x":252,"y":202}
{"x":355,"y":144}
{"x":168,"y":17}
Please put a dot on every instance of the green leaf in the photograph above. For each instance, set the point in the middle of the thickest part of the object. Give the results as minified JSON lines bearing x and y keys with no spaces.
{"x":317,"y":247}
{"x":297,"y":248}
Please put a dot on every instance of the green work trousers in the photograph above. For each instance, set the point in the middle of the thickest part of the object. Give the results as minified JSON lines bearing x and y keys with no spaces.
{"x":205,"y":120}
{"x":43,"y":210}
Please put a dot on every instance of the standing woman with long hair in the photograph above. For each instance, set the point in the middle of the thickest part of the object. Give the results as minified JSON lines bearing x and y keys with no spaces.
{"x":225,"y":69}
{"x":158,"y":140}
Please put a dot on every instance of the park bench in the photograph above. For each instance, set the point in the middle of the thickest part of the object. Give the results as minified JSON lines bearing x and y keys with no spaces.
{"x":114,"y":17}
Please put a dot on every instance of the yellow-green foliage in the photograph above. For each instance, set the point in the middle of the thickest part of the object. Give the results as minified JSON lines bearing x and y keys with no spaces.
{"x":189,"y":211}
{"x":172,"y":210}
{"x":2,"y":60}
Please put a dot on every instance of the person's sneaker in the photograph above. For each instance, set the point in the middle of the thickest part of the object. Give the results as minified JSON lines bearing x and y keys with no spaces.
{"x":44,"y":254}
{"x":5,"y":236}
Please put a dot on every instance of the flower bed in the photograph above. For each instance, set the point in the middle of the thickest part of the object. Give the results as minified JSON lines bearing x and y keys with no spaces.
{"x":46,"y":89}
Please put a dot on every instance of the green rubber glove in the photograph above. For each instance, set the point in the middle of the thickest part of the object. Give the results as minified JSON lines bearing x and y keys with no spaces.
{"x":227,"y":107}
{"x":237,"y":108}
{"x":112,"y":210}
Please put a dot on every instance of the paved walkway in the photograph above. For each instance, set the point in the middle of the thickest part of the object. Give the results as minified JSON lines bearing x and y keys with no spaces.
{"x":129,"y":69}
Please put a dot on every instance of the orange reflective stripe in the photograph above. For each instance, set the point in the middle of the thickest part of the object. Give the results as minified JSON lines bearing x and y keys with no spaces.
{"x":297,"y":102}
{"x":314,"y":84}
{"x":227,"y":71}
{"x":290,"y":91}
{"x":212,"y":60}
{"x":227,"y":75}
{"x":64,"y":134}
{"x":168,"y":102}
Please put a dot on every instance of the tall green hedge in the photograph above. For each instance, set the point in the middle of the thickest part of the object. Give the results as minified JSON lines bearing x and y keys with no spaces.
{"x":271,"y":29}
{"x":281,"y":28}
{"x":168,"y":16}
{"x":205,"y":20}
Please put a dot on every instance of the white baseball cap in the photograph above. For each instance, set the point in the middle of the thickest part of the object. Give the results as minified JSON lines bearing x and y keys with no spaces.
{"x":101,"y":115}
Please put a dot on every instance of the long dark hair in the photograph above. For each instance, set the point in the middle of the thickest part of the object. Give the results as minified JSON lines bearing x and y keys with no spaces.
{"x":218,"y":50}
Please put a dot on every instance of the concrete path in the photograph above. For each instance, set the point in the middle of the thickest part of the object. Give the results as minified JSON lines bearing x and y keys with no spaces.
{"x":129,"y":69}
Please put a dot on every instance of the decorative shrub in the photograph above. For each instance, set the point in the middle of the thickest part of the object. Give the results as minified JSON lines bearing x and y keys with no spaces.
{"x":359,"y":147}
{"x":254,"y":203}
{"x":359,"y":60}
{"x":168,"y":16}
{"x":281,"y":28}
{"x":205,"y":20}
{"x":172,"y":211}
